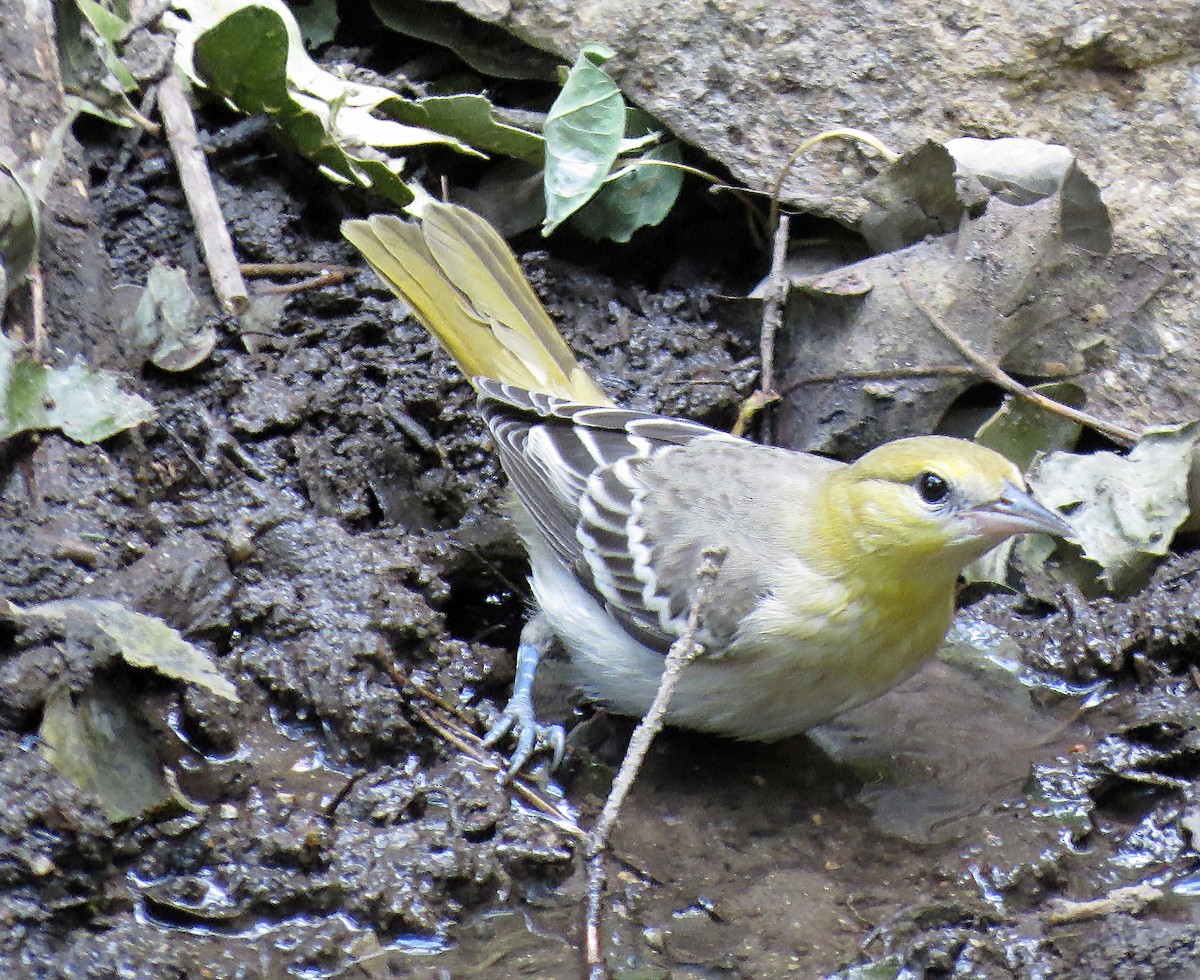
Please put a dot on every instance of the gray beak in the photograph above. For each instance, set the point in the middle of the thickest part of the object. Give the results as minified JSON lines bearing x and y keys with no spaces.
{"x":1016,"y":512}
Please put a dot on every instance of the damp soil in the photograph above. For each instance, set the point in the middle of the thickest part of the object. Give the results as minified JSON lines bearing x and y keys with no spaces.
{"x":324,"y":517}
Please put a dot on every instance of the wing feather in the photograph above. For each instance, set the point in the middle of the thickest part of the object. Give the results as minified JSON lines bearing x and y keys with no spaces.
{"x":577,"y":469}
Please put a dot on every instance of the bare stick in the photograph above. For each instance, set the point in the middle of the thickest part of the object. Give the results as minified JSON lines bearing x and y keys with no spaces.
{"x":331,"y":277}
{"x":201,"y":196}
{"x":37,"y":301}
{"x":857,"y":135}
{"x":995,"y":374}
{"x":1131,"y":900}
{"x":750,"y":408}
{"x":267,"y":270}
{"x":441,"y":718}
{"x":882,"y":374}
{"x":683,"y":651}
{"x":470,"y":744}
{"x":775,"y":294}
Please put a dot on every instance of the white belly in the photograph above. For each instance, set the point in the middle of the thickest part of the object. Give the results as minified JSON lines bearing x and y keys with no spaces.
{"x":760,"y":694}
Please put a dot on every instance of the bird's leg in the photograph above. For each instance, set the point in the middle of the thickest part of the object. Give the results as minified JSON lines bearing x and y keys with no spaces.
{"x":518,"y":717}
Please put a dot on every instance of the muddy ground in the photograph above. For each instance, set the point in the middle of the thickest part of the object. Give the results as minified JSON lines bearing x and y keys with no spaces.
{"x":327,"y":505}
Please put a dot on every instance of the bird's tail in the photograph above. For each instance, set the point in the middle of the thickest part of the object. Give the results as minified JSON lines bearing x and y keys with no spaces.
{"x":462,"y":282}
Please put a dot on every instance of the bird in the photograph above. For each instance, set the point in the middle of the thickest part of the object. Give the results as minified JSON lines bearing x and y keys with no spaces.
{"x":838,"y":582}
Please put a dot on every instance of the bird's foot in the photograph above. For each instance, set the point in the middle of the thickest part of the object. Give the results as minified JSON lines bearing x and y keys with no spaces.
{"x":519,"y":720}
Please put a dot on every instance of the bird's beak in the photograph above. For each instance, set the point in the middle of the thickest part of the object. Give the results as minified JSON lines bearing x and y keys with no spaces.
{"x":1016,"y":512}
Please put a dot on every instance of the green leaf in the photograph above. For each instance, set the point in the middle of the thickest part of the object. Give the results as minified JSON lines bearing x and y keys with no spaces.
{"x":1020,"y":429}
{"x":318,"y":22}
{"x":19,"y":230}
{"x":471,"y":118}
{"x":487,"y":48}
{"x":584,"y":132}
{"x":1126,"y":508}
{"x":92,"y":737}
{"x":108,"y":24}
{"x":85,"y":405}
{"x":243,"y":58}
{"x":140,"y":640}
{"x":92,"y":69}
{"x":93,"y":740}
{"x":639,"y":195}
{"x":253,"y":56}
{"x":169,"y":322}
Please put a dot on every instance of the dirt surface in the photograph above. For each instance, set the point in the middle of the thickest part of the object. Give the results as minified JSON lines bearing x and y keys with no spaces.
{"x":313,"y":511}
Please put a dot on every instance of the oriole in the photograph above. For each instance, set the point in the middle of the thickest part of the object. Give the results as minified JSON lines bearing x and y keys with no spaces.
{"x":839,"y":579}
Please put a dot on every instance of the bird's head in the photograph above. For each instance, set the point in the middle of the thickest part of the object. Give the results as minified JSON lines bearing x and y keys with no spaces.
{"x":934,"y":501}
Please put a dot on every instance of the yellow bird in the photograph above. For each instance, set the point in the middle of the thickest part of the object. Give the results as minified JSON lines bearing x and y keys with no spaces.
{"x":839,"y":579}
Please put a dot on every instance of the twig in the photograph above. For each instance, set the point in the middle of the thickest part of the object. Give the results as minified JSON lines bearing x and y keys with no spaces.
{"x":268,"y":270}
{"x":775,"y":293}
{"x":194,"y":175}
{"x":776,"y":290}
{"x":330,"y":810}
{"x":857,"y":135}
{"x":319,"y":274}
{"x":633,"y":165}
{"x":683,"y":651}
{"x":404,"y":681}
{"x":881,"y":374}
{"x":37,"y":303}
{"x":220,"y":443}
{"x":1131,"y":900}
{"x":330,"y":277}
{"x":995,"y":374}
{"x":470,"y":744}
{"x":116,"y":172}
{"x":750,"y":408}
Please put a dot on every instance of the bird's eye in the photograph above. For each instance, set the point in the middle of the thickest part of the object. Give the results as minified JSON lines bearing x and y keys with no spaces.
{"x":932,"y":488}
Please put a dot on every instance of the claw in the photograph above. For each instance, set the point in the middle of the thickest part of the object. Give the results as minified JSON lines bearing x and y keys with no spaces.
{"x":518,"y":718}
{"x":557,"y":740}
{"x":532,"y":737}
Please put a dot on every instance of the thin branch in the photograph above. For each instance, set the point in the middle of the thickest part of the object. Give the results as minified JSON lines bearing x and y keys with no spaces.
{"x":330,"y":277}
{"x":882,"y":374}
{"x":194,"y":175}
{"x":635,"y":164}
{"x":37,"y":302}
{"x":750,"y":408}
{"x":441,"y":718}
{"x":891,"y":156}
{"x":738,"y":189}
{"x":995,"y":374}
{"x":1130,"y":900}
{"x":683,"y":651}
{"x":776,"y":286}
{"x":470,"y":744}
{"x":404,"y":681}
{"x":268,"y":270}
{"x":775,"y":293}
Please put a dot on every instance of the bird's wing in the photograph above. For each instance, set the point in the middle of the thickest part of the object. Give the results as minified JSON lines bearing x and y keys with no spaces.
{"x":580,"y":472}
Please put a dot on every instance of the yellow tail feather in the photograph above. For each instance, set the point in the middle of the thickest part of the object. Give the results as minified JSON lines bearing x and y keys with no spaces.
{"x":463,"y":283}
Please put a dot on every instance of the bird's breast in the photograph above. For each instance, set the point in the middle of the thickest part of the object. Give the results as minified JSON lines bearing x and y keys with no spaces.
{"x":801,"y":657}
